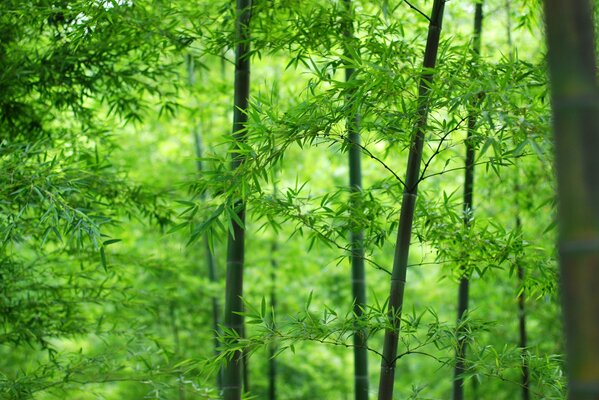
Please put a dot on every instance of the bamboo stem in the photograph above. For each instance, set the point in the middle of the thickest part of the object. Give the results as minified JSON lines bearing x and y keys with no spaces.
{"x":464,"y":289}
{"x":233,"y":370}
{"x":523,"y":340}
{"x":272,"y":348}
{"x":404,"y":231}
{"x":356,"y":235}
{"x":210,"y":261}
{"x":575,"y":104}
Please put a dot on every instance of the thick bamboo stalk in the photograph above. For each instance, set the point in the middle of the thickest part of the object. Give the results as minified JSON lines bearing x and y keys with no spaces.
{"x":357,"y":235}
{"x":232,"y":372}
{"x":404,"y":231}
{"x":575,"y":104}
{"x":463,"y":292}
{"x":245,"y":365}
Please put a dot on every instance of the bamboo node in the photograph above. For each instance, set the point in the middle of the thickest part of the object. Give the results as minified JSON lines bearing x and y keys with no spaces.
{"x":579,"y":246}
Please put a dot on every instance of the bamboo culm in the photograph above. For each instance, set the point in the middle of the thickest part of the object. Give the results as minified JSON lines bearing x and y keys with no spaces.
{"x":233,"y":369}
{"x":272,"y":348}
{"x":523,"y":341}
{"x":212,"y":277}
{"x":356,"y":235}
{"x":210,"y":261}
{"x":463,"y":291}
{"x":575,"y":106}
{"x":404,"y":231}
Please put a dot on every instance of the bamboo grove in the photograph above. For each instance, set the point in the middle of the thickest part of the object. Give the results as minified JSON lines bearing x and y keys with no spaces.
{"x":344,"y":199}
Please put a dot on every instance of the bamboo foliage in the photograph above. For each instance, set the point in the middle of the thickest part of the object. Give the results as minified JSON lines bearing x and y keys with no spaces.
{"x":138,"y":319}
{"x":575,"y":104}
{"x":404,"y":231}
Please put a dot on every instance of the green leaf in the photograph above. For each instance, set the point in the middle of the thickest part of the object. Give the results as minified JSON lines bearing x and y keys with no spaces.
{"x":103,"y":259}
{"x":309,"y":300}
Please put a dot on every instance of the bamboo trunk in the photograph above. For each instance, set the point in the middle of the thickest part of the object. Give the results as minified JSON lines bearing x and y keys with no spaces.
{"x":233,"y":371}
{"x":210,"y":261}
{"x":404,"y":231}
{"x":522,"y":342}
{"x":575,"y":104}
{"x":177,"y":340}
{"x":272,"y":348}
{"x":357,"y":235}
{"x":212,"y":277}
{"x":463,"y":292}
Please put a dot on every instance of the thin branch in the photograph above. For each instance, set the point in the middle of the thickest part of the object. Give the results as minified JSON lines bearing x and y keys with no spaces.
{"x":324,"y":341}
{"x":334,"y":243}
{"x":369,"y":153}
{"x":475,"y":164}
{"x":417,"y":10}
{"x":405,"y":353}
{"x":438,"y":149}
{"x":454,"y":169}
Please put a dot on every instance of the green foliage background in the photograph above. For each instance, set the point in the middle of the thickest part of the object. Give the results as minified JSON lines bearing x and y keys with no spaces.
{"x":103,"y":282}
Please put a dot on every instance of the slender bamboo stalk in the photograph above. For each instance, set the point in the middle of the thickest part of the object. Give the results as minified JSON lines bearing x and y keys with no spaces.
{"x":463,"y":292}
{"x":176,"y":339}
{"x":522,"y":342}
{"x":212,"y":276}
{"x":272,"y":348}
{"x":404,"y":231}
{"x":210,"y":260}
{"x":357,"y":235}
{"x":508,"y":11}
{"x":233,"y":374}
{"x":575,"y":104}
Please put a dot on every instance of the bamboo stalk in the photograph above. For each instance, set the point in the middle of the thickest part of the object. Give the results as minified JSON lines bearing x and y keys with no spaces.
{"x":210,"y":261}
{"x":356,"y":235}
{"x":233,"y":370}
{"x":523,"y":341}
{"x":575,"y":105}
{"x":404,"y":231}
{"x":272,"y":348}
{"x":177,"y":342}
{"x":212,"y":276}
{"x":463,"y":292}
